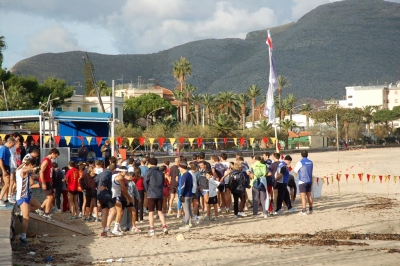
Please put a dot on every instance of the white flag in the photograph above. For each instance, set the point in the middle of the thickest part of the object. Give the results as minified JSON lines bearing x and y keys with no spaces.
{"x":269,"y":110}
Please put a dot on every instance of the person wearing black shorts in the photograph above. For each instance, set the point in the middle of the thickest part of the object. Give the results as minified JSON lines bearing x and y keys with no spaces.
{"x":154,"y":185}
{"x":304,"y":168}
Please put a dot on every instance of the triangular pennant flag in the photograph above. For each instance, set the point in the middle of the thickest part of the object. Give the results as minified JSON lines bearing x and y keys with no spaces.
{"x":181,"y":140}
{"x":273,"y":140}
{"x":235,"y":141}
{"x":67,"y":139}
{"x":368,"y":177}
{"x":265,"y":140}
{"x":46,"y":139}
{"x":317,"y":179}
{"x":161,"y":142}
{"x":338,"y":176}
{"x":380,"y":178}
{"x":191,"y":141}
{"x":395,"y":179}
{"x":151,"y":140}
{"x":354,"y":175}
{"x":172,"y":141}
{"x":332,"y":179}
{"x":99,"y":140}
{"x":35,"y":138}
{"x":199,"y":141}
{"x":25,"y":137}
{"x":81,"y":138}
{"x":327,"y":180}
{"x":57,"y":139}
{"x":386,"y":178}
{"x":3,"y":136}
{"x":141,"y":141}
{"x":360,"y":176}
{"x":88,"y":139}
{"x":130,"y":141}
{"x":241,"y":141}
{"x":225,"y":141}
{"x":251,"y":140}
{"x":111,"y":140}
{"x":119,"y":140}
{"x":373,"y":178}
{"x":216,"y":143}
{"x":347,"y":178}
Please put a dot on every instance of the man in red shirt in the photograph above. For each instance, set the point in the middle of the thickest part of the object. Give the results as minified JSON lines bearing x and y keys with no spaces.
{"x":45,"y":179}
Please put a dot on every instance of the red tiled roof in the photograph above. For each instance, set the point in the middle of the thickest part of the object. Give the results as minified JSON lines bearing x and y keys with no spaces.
{"x":301,"y":134}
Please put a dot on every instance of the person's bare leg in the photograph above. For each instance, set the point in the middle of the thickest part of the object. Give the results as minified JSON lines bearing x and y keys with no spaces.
{"x":171,"y":200}
{"x":76,"y":206}
{"x":104,"y":218}
{"x":12,"y":185}
{"x":215,"y":210}
{"x":25,"y":216}
{"x":310,"y":200}
{"x":111,"y":215}
{"x":151,"y":218}
{"x":303,"y":200}
{"x":228,"y":198}
{"x":34,"y":205}
{"x":162,"y":217}
{"x":4,"y":190}
{"x":133,"y":215}
{"x":206,"y":204}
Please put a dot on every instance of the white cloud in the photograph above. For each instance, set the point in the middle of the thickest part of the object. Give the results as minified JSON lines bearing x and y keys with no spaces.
{"x":53,"y":39}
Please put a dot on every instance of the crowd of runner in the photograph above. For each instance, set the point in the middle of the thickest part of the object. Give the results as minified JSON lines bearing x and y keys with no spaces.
{"x":124,"y":191}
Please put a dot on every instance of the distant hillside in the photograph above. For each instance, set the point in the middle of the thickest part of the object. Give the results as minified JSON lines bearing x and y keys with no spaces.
{"x":333,"y":46}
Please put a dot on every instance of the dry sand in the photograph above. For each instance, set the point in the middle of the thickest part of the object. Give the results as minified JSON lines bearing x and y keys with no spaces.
{"x":350,"y":229}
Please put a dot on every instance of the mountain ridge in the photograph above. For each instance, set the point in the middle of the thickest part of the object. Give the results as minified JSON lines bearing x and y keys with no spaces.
{"x":353,"y":42}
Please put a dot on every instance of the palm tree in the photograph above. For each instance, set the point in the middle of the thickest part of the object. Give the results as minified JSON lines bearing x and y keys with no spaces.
{"x":197,"y":100}
{"x":2,"y":47}
{"x":243,"y":99}
{"x":286,"y":125}
{"x":368,"y":117}
{"x":182,"y":68}
{"x":285,"y":109}
{"x":189,"y":89}
{"x":227,"y":102}
{"x":264,"y":125}
{"x":208,"y":100}
{"x":224,"y":125}
{"x":282,"y":83}
{"x":290,"y":99}
{"x":170,"y":123}
{"x":179,"y":98}
{"x":253,"y":91}
{"x":306,"y":110}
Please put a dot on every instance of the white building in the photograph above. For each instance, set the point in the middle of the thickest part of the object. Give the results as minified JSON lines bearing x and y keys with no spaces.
{"x":82,"y":103}
{"x":360,"y":96}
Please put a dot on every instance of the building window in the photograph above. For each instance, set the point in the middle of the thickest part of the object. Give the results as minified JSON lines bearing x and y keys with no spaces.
{"x":395,"y":100}
{"x":350,"y":104}
{"x":122,"y":95}
{"x":350,"y":96}
{"x":59,"y":109}
{"x":94,"y":109}
{"x":116,"y":113}
{"x":79,"y":109}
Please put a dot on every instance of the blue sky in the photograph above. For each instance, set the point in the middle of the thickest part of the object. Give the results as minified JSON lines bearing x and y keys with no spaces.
{"x":33,"y":27}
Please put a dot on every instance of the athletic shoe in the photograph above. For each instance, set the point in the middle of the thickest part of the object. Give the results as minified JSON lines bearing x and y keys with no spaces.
{"x":265,"y":216}
{"x":135,"y":229}
{"x":178,"y":216}
{"x":23,"y":241}
{"x":292,"y":210}
{"x":11,"y":200}
{"x":197,"y":221}
{"x":242,"y":214}
{"x":85,"y":219}
{"x":98,"y":220}
{"x":151,"y":232}
{"x":214,"y":219}
{"x":71,"y":217}
{"x":40,"y":212}
{"x":310,"y":212}
{"x":236,"y":216}
{"x":186,"y":227}
{"x":261,"y":216}
{"x":47,"y":217}
{"x":146,"y":211}
{"x":255,"y":216}
{"x":219,"y":210}
{"x":2,"y":203}
{"x":58,"y":211}
{"x":245,"y":208}
{"x":80,"y":215}
{"x":53,"y":209}
{"x":279,"y":212}
{"x":117,"y":233}
{"x":165,"y":229}
{"x":302,"y":213}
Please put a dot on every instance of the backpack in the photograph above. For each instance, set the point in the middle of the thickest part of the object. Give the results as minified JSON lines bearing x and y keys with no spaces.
{"x":233,"y":182}
{"x":220,"y":169}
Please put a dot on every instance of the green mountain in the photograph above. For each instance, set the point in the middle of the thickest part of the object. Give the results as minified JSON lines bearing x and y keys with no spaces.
{"x":353,"y":42}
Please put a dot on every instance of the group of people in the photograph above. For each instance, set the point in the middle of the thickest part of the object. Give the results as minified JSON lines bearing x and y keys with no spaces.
{"x":147,"y":187}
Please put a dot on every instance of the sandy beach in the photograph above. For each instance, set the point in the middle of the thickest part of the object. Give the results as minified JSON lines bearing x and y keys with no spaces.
{"x":358,"y":227}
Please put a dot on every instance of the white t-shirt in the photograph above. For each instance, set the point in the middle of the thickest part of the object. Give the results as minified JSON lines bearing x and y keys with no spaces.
{"x":212,"y":186}
{"x":297,"y":168}
{"x":13,"y":158}
{"x":22,"y":185}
